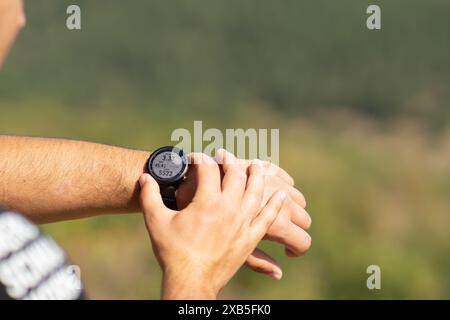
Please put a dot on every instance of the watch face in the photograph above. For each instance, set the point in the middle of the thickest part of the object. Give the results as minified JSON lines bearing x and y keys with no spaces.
{"x":168,"y":164}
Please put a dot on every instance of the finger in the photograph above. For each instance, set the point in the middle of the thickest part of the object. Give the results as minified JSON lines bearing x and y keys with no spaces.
{"x":270,"y":169}
{"x":221,"y":156}
{"x":267,"y":216}
{"x":234,"y":179}
{"x":274,"y":170}
{"x":261,"y":262}
{"x":296,"y":240}
{"x":152,"y":204}
{"x":186,"y":191}
{"x":282,"y":174}
{"x":297,"y":196}
{"x":207,"y":175}
{"x":298,"y":215}
{"x":254,"y":192}
{"x":290,"y":253}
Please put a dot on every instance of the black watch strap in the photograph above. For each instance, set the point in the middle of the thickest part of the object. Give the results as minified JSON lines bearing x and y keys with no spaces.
{"x":168,"y":196}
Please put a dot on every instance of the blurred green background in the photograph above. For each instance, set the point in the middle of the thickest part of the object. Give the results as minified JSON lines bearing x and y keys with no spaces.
{"x":363,"y":118}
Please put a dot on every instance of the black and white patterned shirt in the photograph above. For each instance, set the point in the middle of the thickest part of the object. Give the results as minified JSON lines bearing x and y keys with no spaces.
{"x":32,"y":265}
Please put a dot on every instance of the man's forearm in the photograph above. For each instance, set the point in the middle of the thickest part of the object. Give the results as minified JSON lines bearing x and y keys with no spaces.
{"x":55,"y":179}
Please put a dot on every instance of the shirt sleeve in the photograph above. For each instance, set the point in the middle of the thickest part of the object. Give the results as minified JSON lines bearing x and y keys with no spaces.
{"x":32,"y":265}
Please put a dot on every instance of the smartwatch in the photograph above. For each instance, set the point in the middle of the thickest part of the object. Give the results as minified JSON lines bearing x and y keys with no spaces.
{"x":168,"y":166}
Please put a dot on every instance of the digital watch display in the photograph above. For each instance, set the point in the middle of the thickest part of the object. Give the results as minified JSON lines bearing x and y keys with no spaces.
{"x":168,"y":166}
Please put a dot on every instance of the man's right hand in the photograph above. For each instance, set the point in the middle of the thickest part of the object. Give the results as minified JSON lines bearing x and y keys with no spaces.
{"x":202,"y":246}
{"x":291,"y":224}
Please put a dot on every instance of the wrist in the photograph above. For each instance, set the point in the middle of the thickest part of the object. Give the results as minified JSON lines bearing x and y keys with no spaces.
{"x":135,"y":166}
{"x":186,"y":285}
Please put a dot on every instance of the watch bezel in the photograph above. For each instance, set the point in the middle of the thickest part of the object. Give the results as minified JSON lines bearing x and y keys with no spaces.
{"x":175,"y":179}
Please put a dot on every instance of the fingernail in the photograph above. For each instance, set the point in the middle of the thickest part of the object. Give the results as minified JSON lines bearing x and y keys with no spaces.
{"x":220,"y":156}
{"x":143,"y":179}
{"x":282,"y":195}
{"x":309,"y":222}
{"x":277,"y":274}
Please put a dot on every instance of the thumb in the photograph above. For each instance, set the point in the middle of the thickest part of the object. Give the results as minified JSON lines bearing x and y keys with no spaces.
{"x":151,"y":201}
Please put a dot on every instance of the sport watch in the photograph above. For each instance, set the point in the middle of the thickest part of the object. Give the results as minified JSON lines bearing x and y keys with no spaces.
{"x":168,"y":166}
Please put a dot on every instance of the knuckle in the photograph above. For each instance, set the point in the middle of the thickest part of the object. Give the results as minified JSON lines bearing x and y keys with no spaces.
{"x":241,"y":174}
{"x":271,"y":169}
{"x":266,"y":164}
{"x":236,"y":171}
{"x":207,"y":160}
{"x":195,"y":157}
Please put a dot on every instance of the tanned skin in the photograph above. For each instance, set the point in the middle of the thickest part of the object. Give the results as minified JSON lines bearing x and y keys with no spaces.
{"x":54,"y":179}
